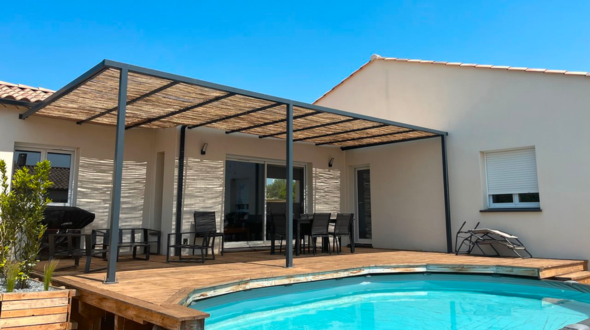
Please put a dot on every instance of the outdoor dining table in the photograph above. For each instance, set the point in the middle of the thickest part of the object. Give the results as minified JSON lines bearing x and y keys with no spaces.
{"x":306,"y":219}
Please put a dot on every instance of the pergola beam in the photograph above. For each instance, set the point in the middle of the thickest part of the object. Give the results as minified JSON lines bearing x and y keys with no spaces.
{"x":139,"y":98}
{"x":339,"y":133}
{"x":235,"y":115}
{"x":270,"y":123}
{"x":66,"y":90}
{"x":310,"y":127}
{"x":388,"y":142}
{"x":363,"y":137}
{"x":174,"y":113}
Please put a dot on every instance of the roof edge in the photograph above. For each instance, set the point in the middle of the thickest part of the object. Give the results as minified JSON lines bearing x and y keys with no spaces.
{"x":376,"y":57}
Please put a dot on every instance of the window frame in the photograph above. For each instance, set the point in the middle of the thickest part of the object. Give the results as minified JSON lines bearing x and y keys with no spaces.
{"x":44,"y":150}
{"x":516,"y":204}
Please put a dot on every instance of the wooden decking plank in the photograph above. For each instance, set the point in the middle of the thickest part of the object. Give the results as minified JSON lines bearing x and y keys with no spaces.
{"x":575,"y":276}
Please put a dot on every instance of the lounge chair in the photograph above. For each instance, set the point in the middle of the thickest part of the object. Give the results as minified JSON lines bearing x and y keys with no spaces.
{"x":493,"y":238}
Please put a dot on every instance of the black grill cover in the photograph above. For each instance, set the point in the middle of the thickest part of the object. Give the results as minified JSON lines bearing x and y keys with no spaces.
{"x":60,"y":219}
{"x":66,"y":217}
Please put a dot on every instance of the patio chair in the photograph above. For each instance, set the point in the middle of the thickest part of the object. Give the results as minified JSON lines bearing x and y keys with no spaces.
{"x":74,"y":249}
{"x":492,"y":238}
{"x":341,"y":228}
{"x":206,"y":228}
{"x":131,"y":242}
{"x":184,"y":244}
{"x":279,"y":223}
{"x":466,"y":238}
{"x":320,"y":228}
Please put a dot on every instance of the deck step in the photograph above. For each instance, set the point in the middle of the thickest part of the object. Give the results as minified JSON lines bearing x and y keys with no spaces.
{"x":581,"y":277}
{"x":552,"y":272}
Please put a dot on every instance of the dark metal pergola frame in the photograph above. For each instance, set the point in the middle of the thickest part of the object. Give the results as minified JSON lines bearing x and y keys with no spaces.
{"x":125,"y":69}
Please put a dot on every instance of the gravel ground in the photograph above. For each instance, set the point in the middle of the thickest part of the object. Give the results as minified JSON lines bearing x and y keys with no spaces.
{"x":33,"y":286}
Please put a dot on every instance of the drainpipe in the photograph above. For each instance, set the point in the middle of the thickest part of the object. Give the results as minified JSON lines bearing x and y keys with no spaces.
{"x":180,"y":189}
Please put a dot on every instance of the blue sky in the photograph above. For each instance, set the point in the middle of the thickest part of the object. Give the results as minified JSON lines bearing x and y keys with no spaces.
{"x":293,"y":49}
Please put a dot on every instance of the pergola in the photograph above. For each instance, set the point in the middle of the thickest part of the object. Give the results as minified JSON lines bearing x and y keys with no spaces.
{"x":128,"y":96}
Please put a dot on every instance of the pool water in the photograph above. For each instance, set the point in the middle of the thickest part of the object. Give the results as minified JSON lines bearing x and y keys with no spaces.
{"x":400,"y":302}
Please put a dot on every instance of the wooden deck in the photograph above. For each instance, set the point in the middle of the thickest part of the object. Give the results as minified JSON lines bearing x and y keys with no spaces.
{"x":153,"y":291}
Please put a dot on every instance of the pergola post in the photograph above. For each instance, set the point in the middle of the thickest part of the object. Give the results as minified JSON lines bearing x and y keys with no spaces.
{"x":289,"y":185}
{"x":117,"y":178}
{"x":445,"y":166}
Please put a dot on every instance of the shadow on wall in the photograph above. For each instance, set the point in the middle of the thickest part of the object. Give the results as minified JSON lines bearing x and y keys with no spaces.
{"x":326,"y":190}
{"x":95,"y":179}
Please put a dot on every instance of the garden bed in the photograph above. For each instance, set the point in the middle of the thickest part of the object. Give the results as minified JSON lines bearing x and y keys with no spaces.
{"x":38,"y":310}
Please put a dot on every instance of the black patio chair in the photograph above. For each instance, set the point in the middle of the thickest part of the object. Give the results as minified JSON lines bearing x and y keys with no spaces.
{"x":172,"y":243}
{"x":206,"y":228}
{"x":320,"y":229}
{"x":341,"y":228}
{"x":279,"y":223}
{"x":74,"y":249}
{"x":128,"y":239}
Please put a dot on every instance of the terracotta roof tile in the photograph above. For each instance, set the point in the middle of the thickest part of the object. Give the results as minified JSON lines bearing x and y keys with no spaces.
{"x":60,"y":176}
{"x":459,"y":64}
{"x":23,"y":92}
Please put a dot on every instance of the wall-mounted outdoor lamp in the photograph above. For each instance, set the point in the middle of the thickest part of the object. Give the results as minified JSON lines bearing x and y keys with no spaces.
{"x":204,"y":149}
{"x":331,"y":162}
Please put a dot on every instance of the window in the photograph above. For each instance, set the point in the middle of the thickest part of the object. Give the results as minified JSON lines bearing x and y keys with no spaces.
{"x":61,"y":173}
{"x":512,"y":179}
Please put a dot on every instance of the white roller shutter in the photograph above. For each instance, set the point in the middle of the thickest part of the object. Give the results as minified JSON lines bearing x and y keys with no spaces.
{"x":512,"y":172}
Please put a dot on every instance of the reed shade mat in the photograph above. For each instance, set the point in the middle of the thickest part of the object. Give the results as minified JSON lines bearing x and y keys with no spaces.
{"x":162,"y":101}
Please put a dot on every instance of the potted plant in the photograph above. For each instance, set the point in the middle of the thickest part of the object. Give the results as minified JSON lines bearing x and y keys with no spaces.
{"x":25,"y":302}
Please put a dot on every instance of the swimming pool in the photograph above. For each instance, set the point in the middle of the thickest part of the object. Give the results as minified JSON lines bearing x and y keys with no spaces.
{"x":416,"y":301}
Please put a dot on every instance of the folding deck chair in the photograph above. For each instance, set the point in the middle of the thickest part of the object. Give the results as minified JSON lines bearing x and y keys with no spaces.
{"x":477,"y":237}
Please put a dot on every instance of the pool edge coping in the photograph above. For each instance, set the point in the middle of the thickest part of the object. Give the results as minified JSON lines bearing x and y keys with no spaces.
{"x":188,"y":295}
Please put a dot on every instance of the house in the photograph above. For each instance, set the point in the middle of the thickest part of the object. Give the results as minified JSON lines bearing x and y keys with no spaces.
{"x":501,"y":122}
{"x":517,"y":147}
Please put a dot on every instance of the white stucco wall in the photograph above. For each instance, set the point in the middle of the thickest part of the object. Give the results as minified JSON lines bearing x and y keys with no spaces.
{"x":94,"y":152}
{"x":407,"y":202}
{"x":484,"y":110}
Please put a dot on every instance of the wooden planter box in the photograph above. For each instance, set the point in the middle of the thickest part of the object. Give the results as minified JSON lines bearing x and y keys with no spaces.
{"x":44,"y":310}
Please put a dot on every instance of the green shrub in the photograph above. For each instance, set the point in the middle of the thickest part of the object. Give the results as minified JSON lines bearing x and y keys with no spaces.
{"x":21,"y":211}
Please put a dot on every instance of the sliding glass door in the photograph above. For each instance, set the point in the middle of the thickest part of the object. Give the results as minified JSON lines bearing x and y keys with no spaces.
{"x":276,"y":189}
{"x":253,"y":191}
{"x":244,"y":202}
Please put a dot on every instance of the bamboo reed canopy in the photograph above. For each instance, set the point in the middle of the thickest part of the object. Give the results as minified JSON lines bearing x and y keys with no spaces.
{"x":161,"y":100}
